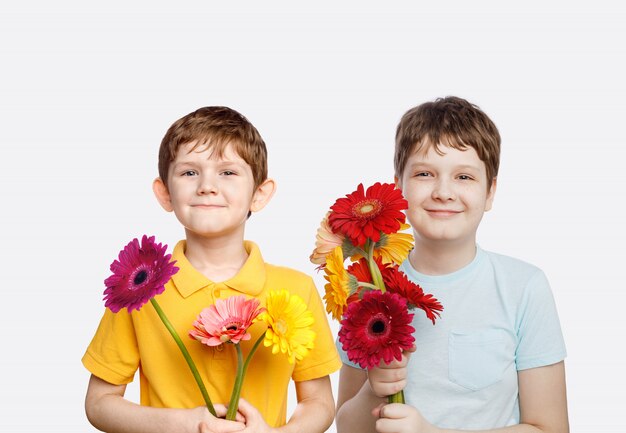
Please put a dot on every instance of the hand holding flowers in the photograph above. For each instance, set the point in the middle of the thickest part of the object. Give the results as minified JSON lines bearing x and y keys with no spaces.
{"x":389,"y":379}
{"x":370,"y":297}
{"x":393,"y":418}
{"x":141,"y":272}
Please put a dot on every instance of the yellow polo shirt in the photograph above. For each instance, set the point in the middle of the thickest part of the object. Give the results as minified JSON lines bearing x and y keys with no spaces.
{"x":126,"y":342}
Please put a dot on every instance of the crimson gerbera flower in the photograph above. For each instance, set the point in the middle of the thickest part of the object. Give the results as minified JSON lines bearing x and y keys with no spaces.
{"x":376,"y":328}
{"x":139,"y":274}
{"x":364,"y":215}
{"x":397,"y":282}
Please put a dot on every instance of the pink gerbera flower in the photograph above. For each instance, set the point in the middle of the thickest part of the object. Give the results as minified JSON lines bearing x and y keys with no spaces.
{"x":363,"y":215}
{"x":139,"y":274}
{"x":227,"y":320}
{"x":377,"y":328}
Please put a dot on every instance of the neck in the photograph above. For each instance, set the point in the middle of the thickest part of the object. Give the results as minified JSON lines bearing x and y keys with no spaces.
{"x":435,"y":258}
{"x":218,"y":259}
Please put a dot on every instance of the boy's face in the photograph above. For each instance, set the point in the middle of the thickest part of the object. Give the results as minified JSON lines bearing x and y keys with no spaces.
{"x":447,"y":194}
{"x":211,"y":196}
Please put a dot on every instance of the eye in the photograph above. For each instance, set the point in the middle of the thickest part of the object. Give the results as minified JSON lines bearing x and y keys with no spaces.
{"x":228,"y":173}
{"x":465,"y":177}
{"x":189,"y":173}
{"x":422,"y":174}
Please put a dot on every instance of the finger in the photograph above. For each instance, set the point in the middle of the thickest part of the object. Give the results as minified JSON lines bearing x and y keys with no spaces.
{"x":220,"y":410}
{"x":396,"y":363}
{"x":386,"y":425}
{"x":390,"y":375}
{"x":222,"y":426}
{"x":246,"y":410}
{"x":377,"y":411}
{"x":393,"y":411}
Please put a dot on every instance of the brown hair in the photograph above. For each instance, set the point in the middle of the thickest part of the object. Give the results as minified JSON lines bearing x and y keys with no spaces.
{"x":449,"y":121}
{"x":216,"y":128}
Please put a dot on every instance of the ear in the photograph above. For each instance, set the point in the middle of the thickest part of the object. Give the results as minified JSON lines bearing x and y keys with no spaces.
{"x":491,"y":194}
{"x":162,"y":194}
{"x":262,"y":195}
{"x":396,"y":180}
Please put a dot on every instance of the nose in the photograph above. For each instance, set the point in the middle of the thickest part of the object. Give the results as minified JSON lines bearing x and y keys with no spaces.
{"x":207,"y":185}
{"x":443,"y":191}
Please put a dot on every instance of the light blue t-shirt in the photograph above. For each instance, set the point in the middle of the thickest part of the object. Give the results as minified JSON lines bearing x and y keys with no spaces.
{"x":499,"y":317}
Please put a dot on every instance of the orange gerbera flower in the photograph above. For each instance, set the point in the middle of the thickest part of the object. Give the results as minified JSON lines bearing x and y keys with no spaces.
{"x":339,"y":284}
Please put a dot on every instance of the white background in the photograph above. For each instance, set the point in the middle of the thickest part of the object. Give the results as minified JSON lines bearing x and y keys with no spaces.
{"x":88,"y":90}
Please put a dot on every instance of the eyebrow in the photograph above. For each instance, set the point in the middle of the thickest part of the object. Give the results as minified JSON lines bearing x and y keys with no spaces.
{"x":422,"y":164}
{"x":468,"y":166}
{"x":220,"y":162}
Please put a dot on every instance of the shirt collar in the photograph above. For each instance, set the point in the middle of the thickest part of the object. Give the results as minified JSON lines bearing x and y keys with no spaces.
{"x":250,"y":279}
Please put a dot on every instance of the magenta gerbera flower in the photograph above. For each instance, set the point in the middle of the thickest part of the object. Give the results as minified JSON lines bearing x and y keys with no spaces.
{"x":363,"y":215}
{"x":139,"y":274}
{"x":377,"y":328}
{"x":227,"y":320}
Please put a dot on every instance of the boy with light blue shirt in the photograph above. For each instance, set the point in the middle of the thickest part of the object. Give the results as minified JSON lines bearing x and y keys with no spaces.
{"x":495,"y":358}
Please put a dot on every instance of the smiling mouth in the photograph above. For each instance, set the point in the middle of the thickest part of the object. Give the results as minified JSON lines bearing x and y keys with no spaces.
{"x":442,"y":213}
{"x":207,"y":206}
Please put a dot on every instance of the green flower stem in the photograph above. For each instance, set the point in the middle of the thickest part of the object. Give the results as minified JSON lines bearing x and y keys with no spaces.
{"x":398,"y":397}
{"x":368,"y":285}
{"x":377,"y":277}
{"x":234,"y":396}
{"x":186,"y":354}
{"x":241,"y":373}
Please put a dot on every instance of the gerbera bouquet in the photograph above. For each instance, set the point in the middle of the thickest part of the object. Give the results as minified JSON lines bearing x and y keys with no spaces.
{"x":371,"y":297}
{"x":227,"y":321}
{"x":139,"y":274}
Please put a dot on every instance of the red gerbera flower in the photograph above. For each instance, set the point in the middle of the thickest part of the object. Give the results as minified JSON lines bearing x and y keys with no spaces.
{"x":360,"y":270}
{"x":139,"y":274}
{"x":364,"y":215}
{"x":397,"y":282}
{"x":376,"y":328}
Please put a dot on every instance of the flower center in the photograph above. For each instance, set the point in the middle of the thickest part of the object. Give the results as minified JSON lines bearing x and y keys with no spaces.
{"x":231,"y":325}
{"x":281,"y":326}
{"x":140,"y":277}
{"x":367,"y":209}
{"x":378,"y":326}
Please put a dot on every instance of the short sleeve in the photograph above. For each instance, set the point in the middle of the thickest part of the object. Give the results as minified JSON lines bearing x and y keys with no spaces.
{"x":113,"y":354}
{"x":540,"y":339}
{"x":344,"y":356}
{"x":323,"y":359}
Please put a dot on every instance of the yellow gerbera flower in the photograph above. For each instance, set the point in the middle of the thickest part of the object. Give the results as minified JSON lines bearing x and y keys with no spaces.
{"x":392,"y":248}
{"x":289,"y":325}
{"x":338,"y":286}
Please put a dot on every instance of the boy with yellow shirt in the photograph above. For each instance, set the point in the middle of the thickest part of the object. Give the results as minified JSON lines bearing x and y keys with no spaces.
{"x":212,"y":175}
